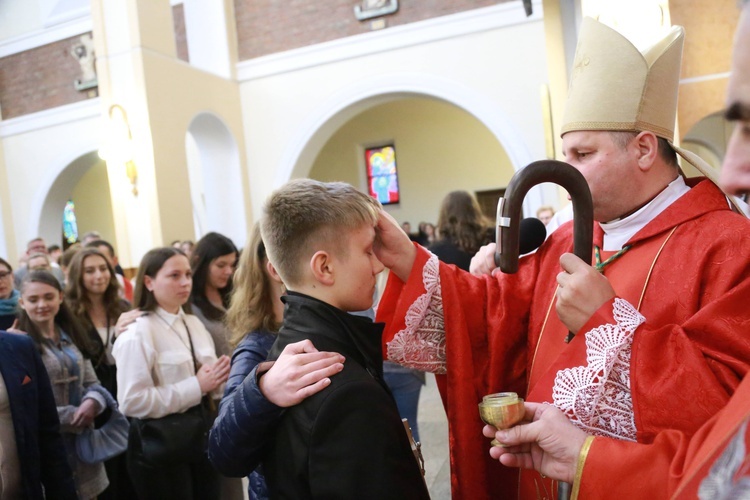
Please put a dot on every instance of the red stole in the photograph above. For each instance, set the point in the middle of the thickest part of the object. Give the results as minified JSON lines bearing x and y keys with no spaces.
{"x":629,"y":276}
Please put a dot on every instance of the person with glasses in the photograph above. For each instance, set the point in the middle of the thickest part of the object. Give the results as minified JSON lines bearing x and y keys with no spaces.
{"x":8,"y":296}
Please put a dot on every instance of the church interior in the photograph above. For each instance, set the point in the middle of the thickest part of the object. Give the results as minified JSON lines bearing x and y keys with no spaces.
{"x":164,"y":120}
{"x":159,"y":121}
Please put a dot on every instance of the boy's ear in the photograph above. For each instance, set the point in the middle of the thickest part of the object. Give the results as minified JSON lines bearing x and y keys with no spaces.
{"x":272,"y":272}
{"x":321,"y":265}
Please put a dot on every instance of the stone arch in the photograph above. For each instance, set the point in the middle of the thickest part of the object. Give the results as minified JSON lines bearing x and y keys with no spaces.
{"x":213,"y":159}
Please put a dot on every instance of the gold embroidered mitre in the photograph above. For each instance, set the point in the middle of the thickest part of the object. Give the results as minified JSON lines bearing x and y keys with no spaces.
{"x":616,"y":87}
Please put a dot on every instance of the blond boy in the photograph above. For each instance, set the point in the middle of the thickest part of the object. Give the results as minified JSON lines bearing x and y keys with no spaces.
{"x":346,"y":441}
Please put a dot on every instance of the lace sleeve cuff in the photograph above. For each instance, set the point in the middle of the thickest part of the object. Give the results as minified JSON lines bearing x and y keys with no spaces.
{"x":421,"y":344}
{"x":597,"y":397}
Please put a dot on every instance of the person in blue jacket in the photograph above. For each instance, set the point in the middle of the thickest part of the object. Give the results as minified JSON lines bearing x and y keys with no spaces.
{"x":239,"y":433}
{"x":34,"y":460}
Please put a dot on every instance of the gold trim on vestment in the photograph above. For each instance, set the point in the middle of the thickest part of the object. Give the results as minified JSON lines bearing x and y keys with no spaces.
{"x":653,"y":264}
{"x":539,"y":340}
{"x":579,"y":467}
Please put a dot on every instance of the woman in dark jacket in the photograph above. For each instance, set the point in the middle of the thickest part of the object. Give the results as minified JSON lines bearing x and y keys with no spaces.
{"x":42,"y":465}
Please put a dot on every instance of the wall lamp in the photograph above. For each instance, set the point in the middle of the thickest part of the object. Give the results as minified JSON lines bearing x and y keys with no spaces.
{"x":118,"y":145}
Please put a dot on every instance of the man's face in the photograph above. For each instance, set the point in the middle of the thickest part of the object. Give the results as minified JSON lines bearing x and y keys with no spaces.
{"x":609,"y":170}
{"x":36,"y":246}
{"x":545,"y":216}
{"x":107,"y":255}
{"x":735,"y":172}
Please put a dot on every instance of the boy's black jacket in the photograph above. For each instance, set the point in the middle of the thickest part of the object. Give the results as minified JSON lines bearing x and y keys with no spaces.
{"x":347,"y":441}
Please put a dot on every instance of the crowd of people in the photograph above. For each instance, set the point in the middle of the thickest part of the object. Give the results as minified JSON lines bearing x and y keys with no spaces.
{"x":167,"y":361}
{"x":274,"y":370}
{"x":161,"y":345}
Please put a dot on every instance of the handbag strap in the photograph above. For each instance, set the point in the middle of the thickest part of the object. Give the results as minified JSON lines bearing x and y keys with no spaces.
{"x":207,"y":403}
{"x":192,"y":350}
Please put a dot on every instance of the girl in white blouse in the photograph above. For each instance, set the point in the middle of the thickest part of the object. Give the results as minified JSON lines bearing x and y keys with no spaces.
{"x":156,"y":373}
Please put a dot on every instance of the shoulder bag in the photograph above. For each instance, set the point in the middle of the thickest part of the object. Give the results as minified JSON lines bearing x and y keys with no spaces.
{"x":109,"y":440}
{"x":175,"y":438}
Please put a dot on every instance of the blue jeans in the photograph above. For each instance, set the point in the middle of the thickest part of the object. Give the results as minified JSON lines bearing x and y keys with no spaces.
{"x":405,"y":387}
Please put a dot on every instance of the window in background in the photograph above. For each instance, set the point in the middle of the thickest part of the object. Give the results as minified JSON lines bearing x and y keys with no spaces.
{"x":70,"y":225}
{"x":382,"y":176}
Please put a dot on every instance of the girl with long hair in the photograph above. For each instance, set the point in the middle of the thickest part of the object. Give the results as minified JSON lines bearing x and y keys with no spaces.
{"x":66,"y":353}
{"x":92,"y":293}
{"x":213,"y":262}
{"x":166,"y":364}
{"x":462,"y":229}
{"x":254,"y":316}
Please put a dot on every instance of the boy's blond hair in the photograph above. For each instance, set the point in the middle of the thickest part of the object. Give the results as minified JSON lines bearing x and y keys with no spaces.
{"x":305,"y":215}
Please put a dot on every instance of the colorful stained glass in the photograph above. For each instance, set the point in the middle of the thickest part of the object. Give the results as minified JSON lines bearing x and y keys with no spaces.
{"x":382,"y":175}
{"x":70,"y":225}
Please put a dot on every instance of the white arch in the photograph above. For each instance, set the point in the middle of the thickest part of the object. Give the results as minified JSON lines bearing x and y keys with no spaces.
{"x":58,"y":182}
{"x":329,"y":116}
{"x":214,"y":167}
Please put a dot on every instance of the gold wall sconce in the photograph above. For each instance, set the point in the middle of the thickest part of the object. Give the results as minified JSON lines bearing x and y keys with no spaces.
{"x":118,"y":146}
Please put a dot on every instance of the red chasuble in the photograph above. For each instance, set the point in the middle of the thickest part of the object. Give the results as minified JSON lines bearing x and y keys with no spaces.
{"x":665,"y":354}
{"x":714,"y":463}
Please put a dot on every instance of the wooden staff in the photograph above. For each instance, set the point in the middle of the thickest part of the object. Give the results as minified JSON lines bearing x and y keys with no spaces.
{"x":509,"y":223}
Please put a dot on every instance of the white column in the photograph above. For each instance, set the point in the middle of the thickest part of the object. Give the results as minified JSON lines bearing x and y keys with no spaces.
{"x":209,"y":36}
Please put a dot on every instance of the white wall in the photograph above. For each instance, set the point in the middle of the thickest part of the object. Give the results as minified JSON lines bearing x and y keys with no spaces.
{"x":493,"y":72}
{"x":35,"y":159}
{"x":19,"y":17}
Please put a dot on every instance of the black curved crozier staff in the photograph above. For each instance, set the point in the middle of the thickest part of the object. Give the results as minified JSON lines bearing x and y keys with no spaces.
{"x":509,"y":223}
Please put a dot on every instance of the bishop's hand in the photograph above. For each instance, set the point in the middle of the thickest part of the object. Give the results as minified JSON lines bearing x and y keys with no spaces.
{"x":582,"y":291}
{"x":393,"y":247}
{"x":483,"y":262}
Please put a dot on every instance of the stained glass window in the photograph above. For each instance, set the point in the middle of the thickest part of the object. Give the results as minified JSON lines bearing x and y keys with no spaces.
{"x":70,"y":225}
{"x":382,"y":176}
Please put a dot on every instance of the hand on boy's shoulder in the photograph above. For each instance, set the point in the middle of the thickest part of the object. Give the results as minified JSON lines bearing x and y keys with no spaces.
{"x":298,"y":373}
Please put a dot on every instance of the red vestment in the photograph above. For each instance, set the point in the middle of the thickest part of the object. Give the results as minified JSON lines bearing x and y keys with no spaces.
{"x":665,"y":354}
{"x":712,"y":462}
